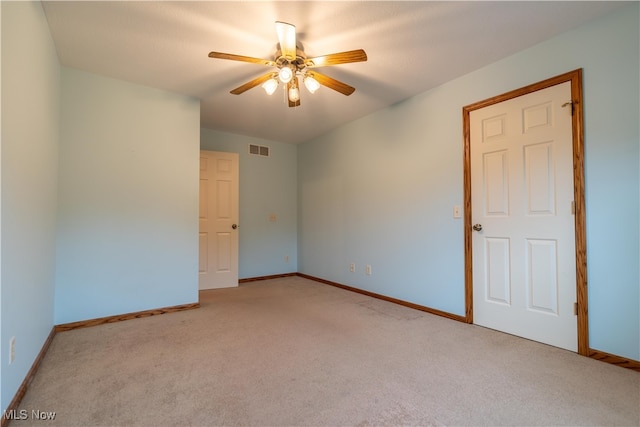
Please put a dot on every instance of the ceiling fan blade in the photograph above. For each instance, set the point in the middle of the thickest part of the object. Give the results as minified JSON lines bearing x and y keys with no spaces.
{"x":293,"y":84}
{"x":253,"y":83}
{"x":242,"y":58}
{"x":358,"y":55}
{"x":287,"y":38}
{"x":332,"y":83}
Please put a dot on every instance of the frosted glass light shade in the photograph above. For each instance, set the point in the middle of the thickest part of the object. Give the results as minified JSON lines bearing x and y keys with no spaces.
{"x":311,"y":84}
{"x":270,"y":86}
{"x":294,"y":94}
{"x":285,"y":75}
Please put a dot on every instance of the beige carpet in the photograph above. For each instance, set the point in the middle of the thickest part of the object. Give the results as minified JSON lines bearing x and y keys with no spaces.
{"x":293,"y":352}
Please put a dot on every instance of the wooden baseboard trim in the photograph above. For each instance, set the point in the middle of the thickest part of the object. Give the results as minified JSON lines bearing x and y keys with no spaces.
{"x":273,"y":276}
{"x":22,"y":390}
{"x":390,"y":299}
{"x":77,"y":325}
{"x":121,"y":317}
{"x":614,"y":360}
{"x":594,"y":354}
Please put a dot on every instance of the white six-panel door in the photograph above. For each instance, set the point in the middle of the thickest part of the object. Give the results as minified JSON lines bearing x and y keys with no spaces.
{"x":218,"y":264}
{"x":524,"y":269}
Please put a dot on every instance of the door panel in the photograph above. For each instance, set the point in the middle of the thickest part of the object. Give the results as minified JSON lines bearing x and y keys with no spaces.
{"x":542,"y":275}
{"x":496,"y":183}
{"x":498,"y":278}
{"x":539,"y":179}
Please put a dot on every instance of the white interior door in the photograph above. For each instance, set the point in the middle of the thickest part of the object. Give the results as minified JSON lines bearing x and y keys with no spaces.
{"x":218,"y":262}
{"x":524,"y":269}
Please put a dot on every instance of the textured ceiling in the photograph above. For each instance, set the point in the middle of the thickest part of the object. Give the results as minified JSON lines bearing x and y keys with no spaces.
{"x":411,"y":46}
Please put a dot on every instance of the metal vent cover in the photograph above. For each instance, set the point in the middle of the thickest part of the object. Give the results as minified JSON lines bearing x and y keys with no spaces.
{"x":259,"y":150}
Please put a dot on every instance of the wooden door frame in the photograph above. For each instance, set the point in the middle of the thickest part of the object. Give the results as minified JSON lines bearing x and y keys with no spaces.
{"x":575,"y":77}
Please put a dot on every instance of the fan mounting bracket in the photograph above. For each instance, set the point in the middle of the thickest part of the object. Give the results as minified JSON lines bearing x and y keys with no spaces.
{"x":298,"y":64}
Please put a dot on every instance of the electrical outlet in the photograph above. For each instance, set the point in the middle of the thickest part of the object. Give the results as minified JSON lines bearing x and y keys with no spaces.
{"x":12,"y":350}
{"x":286,"y":258}
{"x":367,"y":270}
{"x":352,"y":267}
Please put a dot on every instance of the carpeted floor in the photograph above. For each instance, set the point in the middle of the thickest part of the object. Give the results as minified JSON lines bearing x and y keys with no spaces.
{"x":293,"y":352}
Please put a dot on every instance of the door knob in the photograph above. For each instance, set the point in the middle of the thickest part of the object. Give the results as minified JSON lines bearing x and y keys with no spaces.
{"x":234,"y":226}
{"x":477,"y":227}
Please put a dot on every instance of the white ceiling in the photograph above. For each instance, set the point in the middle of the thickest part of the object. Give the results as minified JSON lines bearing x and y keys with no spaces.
{"x":411,"y":47}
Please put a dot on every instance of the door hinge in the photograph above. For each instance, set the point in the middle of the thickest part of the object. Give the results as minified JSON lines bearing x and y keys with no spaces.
{"x":575,"y":308}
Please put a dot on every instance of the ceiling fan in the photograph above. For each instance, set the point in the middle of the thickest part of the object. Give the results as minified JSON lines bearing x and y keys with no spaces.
{"x":290,"y":63}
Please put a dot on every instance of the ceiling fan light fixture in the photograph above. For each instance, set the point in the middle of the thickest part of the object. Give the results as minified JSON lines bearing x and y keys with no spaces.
{"x":285,"y":74}
{"x":270,"y":86}
{"x":311,"y":84}
{"x":290,"y":63}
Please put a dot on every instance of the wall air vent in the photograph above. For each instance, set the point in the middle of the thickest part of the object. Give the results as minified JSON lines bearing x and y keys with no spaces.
{"x":259,"y":150}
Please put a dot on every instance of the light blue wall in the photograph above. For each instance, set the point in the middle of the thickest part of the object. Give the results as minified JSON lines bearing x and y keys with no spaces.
{"x":378,"y":191}
{"x":128,"y":198}
{"x":30,"y":112}
{"x":381,"y":190}
{"x":267,"y":186}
